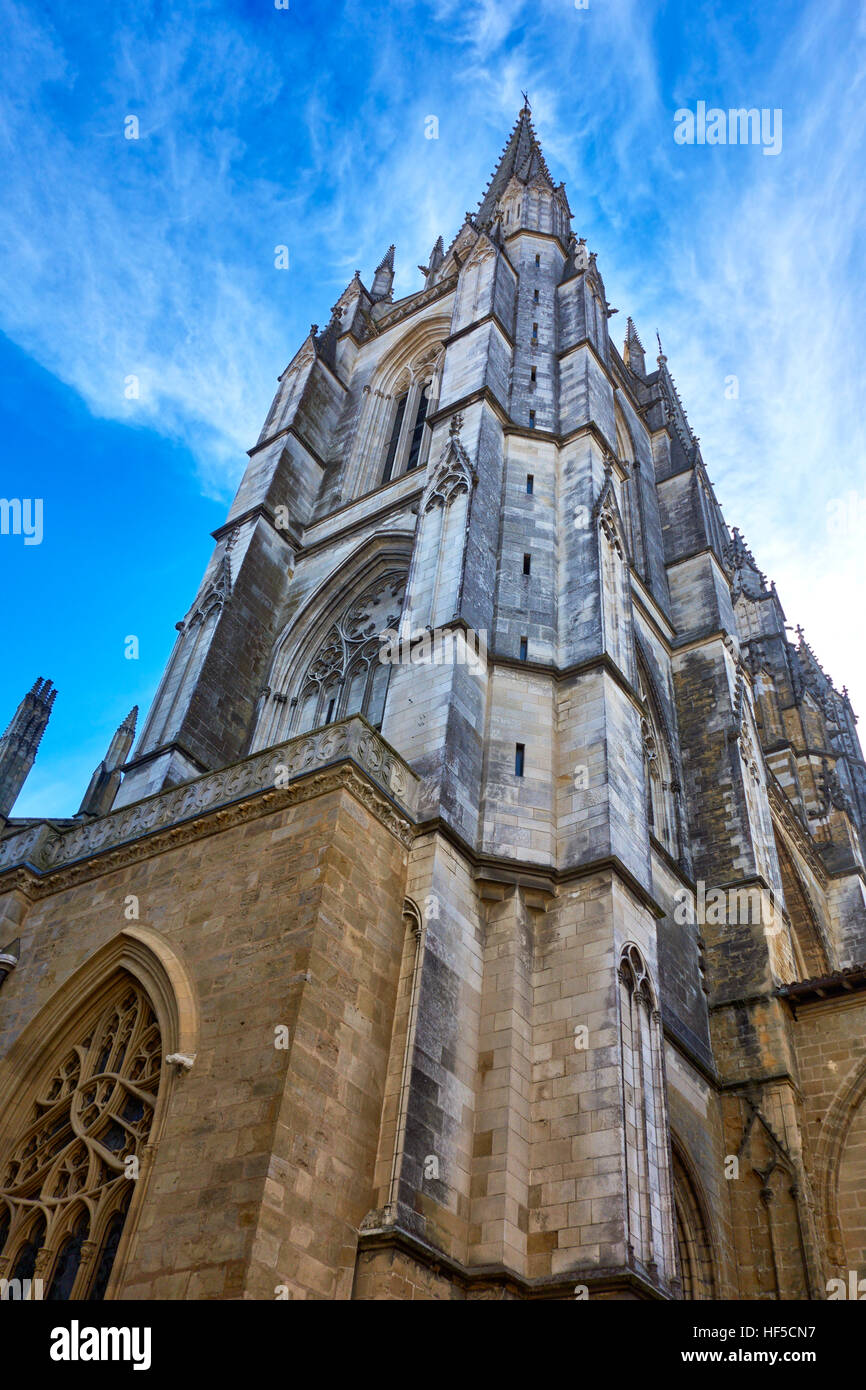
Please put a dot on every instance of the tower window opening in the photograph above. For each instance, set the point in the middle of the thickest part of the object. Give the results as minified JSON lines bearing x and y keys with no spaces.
{"x":538,"y":260}
{"x":533,"y":372}
{"x":406,"y":448}
{"x":535,"y":296}
{"x":535,"y":332}
{"x":395,"y":437}
{"x":331,"y":705}
{"x":524,"y":648}
{"x":532,"y":419}
{"x":418,"y":431}
{"x":519,"y":758}
{"x":530,"y":483}
{"x":527,"y":564}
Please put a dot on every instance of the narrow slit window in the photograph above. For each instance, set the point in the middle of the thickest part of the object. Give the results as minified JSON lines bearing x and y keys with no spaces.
{"x":519,"y":753}
{"x":395,"y":437}
{"x":527,"y":564}
{"x":533,"y":373}
{"x":530,"y":483}
{"x":532,"y":419}
{"x":538,"y":260}
{"x":418,"y":431}
{"x":524,"y":648}
{"x":330,"y":714}
{"x":535,"y":331}
{"x":536,"y":296}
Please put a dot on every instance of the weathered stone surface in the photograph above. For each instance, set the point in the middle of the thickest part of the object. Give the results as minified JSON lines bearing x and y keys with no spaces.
{"x":556,"y":916}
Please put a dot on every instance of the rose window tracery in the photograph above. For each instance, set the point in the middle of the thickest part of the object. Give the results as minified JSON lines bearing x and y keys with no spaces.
{"x":67,"y":1182}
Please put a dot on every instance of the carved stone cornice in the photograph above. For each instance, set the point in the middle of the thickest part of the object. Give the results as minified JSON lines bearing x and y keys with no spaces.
{"x":350,"y":754}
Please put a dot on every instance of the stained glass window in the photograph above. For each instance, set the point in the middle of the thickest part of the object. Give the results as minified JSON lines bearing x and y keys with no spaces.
{"x":80,"y":1147}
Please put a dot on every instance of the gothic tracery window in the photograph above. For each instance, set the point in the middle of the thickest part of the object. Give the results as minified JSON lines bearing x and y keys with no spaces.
{"x":67,"y":1182}
{"x":408,"y":435}
{"x":345,"y":675}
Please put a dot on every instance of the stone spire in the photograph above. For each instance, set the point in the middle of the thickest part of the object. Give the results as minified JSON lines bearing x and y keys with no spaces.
{"x":747,"y":577}
{"x":521,"y":159}
{"x":383,"y":280}
{"x":633,"y":351}
{"x":21,"y":740}
{"x":437,"y":256}
{"x":104,"y":784}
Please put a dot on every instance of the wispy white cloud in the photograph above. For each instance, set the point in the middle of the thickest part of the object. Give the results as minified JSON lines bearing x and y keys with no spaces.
{"x":156,"y":257}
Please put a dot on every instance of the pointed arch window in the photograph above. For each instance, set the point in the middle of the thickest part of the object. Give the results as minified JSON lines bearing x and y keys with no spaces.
{"x":68,"y":1262}
{"x":647,"y":1174}
{"x":345,"y":675}
{"x":694,"y":1252}
{"x":76,"y":1157}
{"x":394,"y":441}
{"x":659,"y":777}
{"x":408,"y":433}
{"x":417,"y":436}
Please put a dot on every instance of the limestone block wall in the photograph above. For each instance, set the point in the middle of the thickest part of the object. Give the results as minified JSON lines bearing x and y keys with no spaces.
{"x":828,"y":1038}
{"x":518,"y":815}
{"x":289,"y":920}
{"x":599,"y":1185}
{"x":697,"y":1137}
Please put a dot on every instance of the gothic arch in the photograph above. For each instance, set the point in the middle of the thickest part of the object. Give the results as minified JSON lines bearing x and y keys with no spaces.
{"x":809,"y":940}
{"x":316,"y":656}
{"x":83,"y":1094}
{"x":648,"y":1192}
{"x":845,"y":1108}
{"x":696,"y":1257}
{"x":409,"y":370}
{"x":661,"y":780}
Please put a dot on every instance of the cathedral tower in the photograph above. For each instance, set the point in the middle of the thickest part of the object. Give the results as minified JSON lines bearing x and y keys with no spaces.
{"x":498,"y":858}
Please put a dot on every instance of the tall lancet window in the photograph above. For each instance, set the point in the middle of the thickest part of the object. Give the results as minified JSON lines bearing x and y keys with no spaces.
{"x":417,"y":436}
{"x":69,"y":1175}
{"x":407,"y":440}
{"x":659,"y":775}
{"x":394,"y":441}
{"x":648,"y":1194}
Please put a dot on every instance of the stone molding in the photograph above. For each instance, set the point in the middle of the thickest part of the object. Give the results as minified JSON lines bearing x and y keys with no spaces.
{"x":262,"y":782}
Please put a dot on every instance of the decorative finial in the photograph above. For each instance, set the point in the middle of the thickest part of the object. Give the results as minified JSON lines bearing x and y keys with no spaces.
{"x":526,"y":107}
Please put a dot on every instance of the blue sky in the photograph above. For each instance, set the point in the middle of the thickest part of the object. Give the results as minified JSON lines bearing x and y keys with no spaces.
{"x":305,"y":127}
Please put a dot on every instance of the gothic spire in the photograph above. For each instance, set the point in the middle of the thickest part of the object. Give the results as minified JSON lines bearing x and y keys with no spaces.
{"x":21,"y":740}
{"x":383,"y":280}
{"x":633,"y":351}
{"x":104,"y":784}
{"x":521,"y":158}
{"x":748,"y":578}
{"x":437,"y":256}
